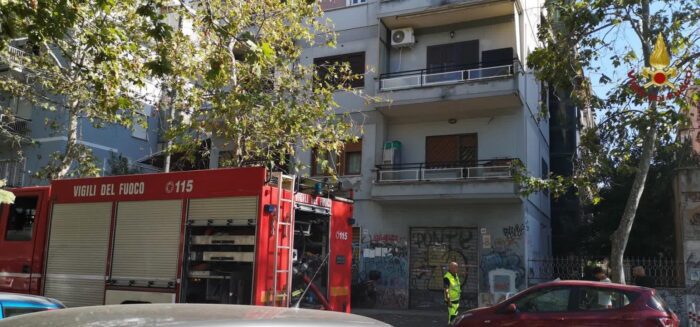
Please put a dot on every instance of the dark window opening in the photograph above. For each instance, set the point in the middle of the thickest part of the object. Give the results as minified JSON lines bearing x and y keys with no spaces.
{"x":20,"y":220}
{"x":349,"y":162}
{"x":448,"y":150}
{"x":355,"y":60}
{"x":497,"y":57}
{"x":453,"y":56}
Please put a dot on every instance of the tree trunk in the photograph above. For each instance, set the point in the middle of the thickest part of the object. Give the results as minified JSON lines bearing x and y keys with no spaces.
{"x":69,"y":153}
{"x":621,"y":235}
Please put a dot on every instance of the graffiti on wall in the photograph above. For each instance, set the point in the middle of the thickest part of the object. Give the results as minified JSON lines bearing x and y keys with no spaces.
{"x":691,"y":220}
{"x":502,"y":268}
{"x":431,"y":249}
{"x":695,"y":219}
{"x":384,"y":264}
{"x":514,"y":232}
{"x":454,"y":237}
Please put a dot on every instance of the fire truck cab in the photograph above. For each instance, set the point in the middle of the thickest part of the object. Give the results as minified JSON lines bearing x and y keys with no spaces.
{"x":233,"y":236}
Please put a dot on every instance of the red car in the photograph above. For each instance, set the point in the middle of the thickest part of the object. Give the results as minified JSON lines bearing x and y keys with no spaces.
{"x":575,"y":303}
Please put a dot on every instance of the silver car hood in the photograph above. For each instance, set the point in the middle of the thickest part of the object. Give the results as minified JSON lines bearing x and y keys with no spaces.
{"x":194,"y":315}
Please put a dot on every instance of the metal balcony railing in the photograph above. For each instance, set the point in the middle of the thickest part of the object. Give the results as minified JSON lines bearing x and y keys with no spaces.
{"x":13,"y":172}
{"x":445,"y":171}
{"x":16,"y":125}
{"x":16,"y":55}
{"x":15,"y":58}
{"x":446,"y":75}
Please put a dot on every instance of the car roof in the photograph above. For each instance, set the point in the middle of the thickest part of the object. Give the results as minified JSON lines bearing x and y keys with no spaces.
{"x":27,"y":301}
{"x":195,"y":315}
{"x":616,"y":286}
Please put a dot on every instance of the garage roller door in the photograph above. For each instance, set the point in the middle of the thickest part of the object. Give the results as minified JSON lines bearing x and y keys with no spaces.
{"x":78,"y":244}
{"x":147,"y":243}
{"x":240,"y":209}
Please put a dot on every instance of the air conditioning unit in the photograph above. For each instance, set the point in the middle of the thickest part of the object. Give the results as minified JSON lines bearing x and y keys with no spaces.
{"x":402,"y":37}
{"x":392,"y":153}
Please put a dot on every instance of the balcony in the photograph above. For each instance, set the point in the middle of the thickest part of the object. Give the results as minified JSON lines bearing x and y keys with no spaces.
{"x":430,"y":13}
{"x":445,"y":76}
{"x":14,"y":58}
{"x":16,"y":125}
{"x":13,"y":172}
{"x":454,"y":92}
{"x":487,"y":179}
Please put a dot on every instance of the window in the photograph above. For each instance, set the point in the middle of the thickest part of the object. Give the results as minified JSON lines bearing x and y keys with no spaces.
{"x":348,"y":163}
{"x":550,"y":300}
{"x":453,"y":56}
{"x":497,"y":57}
{"x":592,"y":299}
{"x":355,"y":60}
{"x":450,"y":150}
{"x":356,"y":2}
{"x":352,"y":163}
{"x":11,"y":312}
{"x":20,"y":221}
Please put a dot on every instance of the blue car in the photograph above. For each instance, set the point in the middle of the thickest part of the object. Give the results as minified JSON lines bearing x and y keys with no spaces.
{"x":12,"y":304}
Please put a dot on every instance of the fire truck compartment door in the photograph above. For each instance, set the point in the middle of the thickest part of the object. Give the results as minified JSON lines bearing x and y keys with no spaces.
{"x":239,"y":210}
{"x":78,"y":242}
{"x":147,"y":243}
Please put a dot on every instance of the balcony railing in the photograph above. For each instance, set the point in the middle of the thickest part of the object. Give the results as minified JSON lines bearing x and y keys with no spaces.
{"x":16,"y":125}
{"x":15,"y":58}
{"x":445,"y":171}
{"x":446,"y":75}
{"x":16,"y":55}
{"x":13,"y":172}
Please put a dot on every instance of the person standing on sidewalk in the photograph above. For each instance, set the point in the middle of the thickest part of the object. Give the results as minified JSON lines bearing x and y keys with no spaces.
{"x":641,"y":278}
{"x":453,"y":290}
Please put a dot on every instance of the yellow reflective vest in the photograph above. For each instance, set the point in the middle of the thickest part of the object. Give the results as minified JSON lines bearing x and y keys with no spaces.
{"x":455,"y":288}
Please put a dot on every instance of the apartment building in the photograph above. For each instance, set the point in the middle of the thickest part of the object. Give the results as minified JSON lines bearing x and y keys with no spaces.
{"x":44,"y":132}
{"x":431,"y":174}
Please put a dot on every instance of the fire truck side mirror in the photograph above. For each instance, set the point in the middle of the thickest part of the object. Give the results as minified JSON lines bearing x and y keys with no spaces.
{"x":351,"y":221}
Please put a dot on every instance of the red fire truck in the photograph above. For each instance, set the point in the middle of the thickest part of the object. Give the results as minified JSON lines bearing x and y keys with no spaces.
{"x":238,"y":236}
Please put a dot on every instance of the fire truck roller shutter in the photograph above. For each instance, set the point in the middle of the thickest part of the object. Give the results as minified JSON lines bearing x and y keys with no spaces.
{"x":146,"y":243}
{"x":78,"y":243}
{"x":240,"y":209}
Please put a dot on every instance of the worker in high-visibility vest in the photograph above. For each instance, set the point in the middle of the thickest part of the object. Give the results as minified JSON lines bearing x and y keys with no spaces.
{"x":453,"y":290}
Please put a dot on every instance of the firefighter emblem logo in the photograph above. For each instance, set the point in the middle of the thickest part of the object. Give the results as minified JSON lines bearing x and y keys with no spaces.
{"x":169,"y":187}
{"x":659,"y":75}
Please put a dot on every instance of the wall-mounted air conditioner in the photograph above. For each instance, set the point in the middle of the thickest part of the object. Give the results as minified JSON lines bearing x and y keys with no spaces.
{"x":392,"y":153}
{"x":402,"y":37}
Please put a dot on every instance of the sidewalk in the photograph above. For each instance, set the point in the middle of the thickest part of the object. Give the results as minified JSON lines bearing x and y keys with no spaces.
{"x":406,"y":318}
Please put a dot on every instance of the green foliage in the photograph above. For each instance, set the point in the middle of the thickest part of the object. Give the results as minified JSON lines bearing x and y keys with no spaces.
{"x":84,"y":60}
{"x":653,"y":231}
{"x":6,"y":197}
{"x":83,"y":164}
{"x":119,"y":165}
{"x":253,"y":89}
{"x":581,"y":41}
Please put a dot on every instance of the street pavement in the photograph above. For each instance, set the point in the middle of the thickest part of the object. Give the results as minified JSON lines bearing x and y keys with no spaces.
{"x":406,"y":318}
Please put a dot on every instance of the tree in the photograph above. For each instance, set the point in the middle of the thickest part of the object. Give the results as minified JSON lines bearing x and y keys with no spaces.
{"x":578,"y":37}
{"x":86,"y":60}
{"x":233,"y":71}
{"x":653,"y":230}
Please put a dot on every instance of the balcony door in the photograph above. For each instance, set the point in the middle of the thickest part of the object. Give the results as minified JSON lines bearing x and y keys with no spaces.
{"x":451,"y":150}
{"x":454,"y":56}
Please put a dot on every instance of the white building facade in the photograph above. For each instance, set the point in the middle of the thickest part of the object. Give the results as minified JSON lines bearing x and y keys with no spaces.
{"x":431,"y":175}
